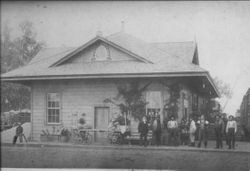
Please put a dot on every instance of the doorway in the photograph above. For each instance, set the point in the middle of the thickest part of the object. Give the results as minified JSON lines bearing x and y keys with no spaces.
{"x":101,"y":124}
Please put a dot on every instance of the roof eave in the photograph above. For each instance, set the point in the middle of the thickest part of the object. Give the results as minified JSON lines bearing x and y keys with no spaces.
{"x":213,"y":85}
{"x":112,"y":75}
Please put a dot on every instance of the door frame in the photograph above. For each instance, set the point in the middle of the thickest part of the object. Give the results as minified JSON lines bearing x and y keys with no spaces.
{"x":95,"y":112}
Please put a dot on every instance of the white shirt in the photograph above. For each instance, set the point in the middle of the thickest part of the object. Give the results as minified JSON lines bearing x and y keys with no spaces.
{"x":192,"y":127}
{"x":231,"y":124}
{"x":202,"y":123}
{"x":172,"y":124}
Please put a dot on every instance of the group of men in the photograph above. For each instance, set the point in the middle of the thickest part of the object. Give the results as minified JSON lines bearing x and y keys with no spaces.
{"x":187,"y":131}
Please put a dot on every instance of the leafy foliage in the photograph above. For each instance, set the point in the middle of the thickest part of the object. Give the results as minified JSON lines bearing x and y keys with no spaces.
{"x":134,"y":103}
{"x":224,"y":88}
{"x":14,"y":96}
{"x":121,"y":120}
{"x":173,"y":101}
{"x":16,"y":53}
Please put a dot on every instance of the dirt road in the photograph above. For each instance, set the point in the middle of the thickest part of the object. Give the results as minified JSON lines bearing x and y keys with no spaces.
{"x":139,"y":158}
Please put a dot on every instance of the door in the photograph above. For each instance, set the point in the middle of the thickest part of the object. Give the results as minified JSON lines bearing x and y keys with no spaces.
{"x":101,"y":124}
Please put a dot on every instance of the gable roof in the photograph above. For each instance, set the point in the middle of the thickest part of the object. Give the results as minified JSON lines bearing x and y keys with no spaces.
{"x":99,"y":38}
{"x":164,"y":57}
{"x":154,"y":60}
{"x":174,"y":58}
{"x":170,"y":57}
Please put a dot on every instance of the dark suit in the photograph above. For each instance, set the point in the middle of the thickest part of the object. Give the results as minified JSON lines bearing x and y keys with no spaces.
{"x":157,"y":131}
{"x":143,"y":130}
{"x":19,"y":133}
{"x":219,"y":130}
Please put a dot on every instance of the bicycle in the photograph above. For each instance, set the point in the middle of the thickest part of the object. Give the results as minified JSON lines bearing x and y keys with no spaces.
{"x":81,"y":136}
{"x":115,"y":137}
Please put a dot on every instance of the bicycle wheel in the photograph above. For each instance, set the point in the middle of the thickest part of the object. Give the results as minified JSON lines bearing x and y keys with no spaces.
{"x":89,"y":139}
{"x":114,"y":139}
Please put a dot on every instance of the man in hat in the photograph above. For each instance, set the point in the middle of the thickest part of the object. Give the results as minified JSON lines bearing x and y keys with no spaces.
{"x":231,"y":130}
{"x":143,"y":130}
{"x":203,"y":130}
{"x":19,"y":133}
{"x":173,"y":130}
{"x":219,"y":130}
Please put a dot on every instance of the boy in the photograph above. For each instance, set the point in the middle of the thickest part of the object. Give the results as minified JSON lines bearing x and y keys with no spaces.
{"x":19,"y":133}
{"x":143,"y":130}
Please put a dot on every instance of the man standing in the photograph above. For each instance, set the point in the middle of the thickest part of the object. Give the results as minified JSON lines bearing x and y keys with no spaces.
{"x":219,"y":129}
{"x":202,"y":125}
{"x":143,"y":130}
{"x":231,"y":129}
{"x":225,"y":124}
{"x":184,"y":131}
{"x":157,"y":130}
{"x":173,"y":129}
{"x":192,"y":130}
{"x":19,"y":133}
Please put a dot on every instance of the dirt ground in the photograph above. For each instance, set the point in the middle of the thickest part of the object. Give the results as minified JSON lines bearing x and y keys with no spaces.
{"x":130,"y":158}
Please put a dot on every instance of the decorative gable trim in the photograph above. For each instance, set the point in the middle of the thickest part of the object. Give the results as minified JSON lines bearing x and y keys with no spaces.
{"x":92,"y":41}
{"x":108,"y":57}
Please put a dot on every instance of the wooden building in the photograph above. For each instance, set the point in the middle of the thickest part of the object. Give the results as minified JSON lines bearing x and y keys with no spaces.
{"x":67,"y":82}
{"x":245,"y":111}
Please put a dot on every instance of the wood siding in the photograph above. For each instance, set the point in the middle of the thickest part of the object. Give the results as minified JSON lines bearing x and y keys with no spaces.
{"x":82,"y":96}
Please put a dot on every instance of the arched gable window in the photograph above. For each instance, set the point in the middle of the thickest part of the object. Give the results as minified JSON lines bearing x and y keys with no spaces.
{"x":101,"y":53}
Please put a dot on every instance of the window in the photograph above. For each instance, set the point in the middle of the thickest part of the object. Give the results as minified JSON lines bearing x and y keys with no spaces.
{"x":195,"y":102}
{"x":53,"y":108}
{"x":101,"y":53}
{"x":185,"y":105}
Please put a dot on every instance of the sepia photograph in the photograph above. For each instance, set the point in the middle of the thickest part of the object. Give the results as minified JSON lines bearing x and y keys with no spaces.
{"x":125,"y":85}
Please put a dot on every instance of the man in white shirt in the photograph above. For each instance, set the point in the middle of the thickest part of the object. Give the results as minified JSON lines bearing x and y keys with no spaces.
{"x":231,"y":130}
{"x":202,"y":125}
{"x":192,"y":130}
{"x":173,"y":130}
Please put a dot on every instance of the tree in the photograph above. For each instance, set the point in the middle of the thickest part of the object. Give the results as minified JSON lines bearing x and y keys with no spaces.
{"x":224,"y":88}
{"x":172,"y":104}
{"x":133,"y":102}
{"x":16,"y":53}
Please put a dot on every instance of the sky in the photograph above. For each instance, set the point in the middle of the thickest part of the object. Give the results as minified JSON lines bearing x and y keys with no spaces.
{"x":221,"y":30}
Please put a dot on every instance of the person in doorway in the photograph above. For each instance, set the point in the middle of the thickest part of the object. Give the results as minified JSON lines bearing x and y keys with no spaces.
{"x":173,"y":130}
{"x":203,"y":126}
{"x":143,"y":130}
{"x":192,"y":130}
{"x":231,"y":130}
{"x":19,"y":133}
{"x":219,"y":130}
{"x":157,"y":130}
